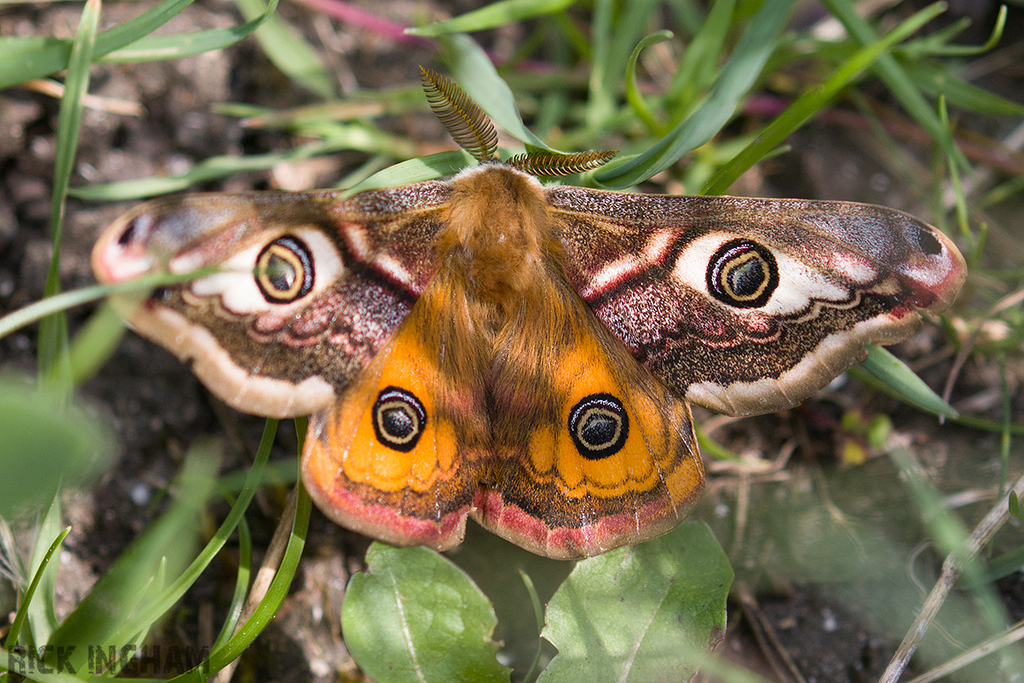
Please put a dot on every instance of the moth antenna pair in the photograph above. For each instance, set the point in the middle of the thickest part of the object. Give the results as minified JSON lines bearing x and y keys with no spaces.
{"x":469,"y":126}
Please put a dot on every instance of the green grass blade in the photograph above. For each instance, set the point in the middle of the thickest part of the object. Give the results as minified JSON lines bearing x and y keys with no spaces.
{"x":633,"y":96}
{"x":242,"y":581}
{"x":12,"y":322}
{"x":491,"y":16}
{"x":43,"y":574}
{"x":696,"y":69}
{"x":892,"y":73}
{"x":54,"y":367}
{"x":117,"y":607}
{"x":344,"y":137}
{"x":902,"y":380}
{"x":471,"y":68}
{"x":170,"y":595}
{"x":938,"y":81}
{"x":268,"y":607}
{"x":95,"y":343}
{"x":811,"y":101}
{"x":150,"y":48}
{"x":599,"y":104}
{"x":429,"y":167}
{"x":937,"y":44}
{"x":42,"y":612}
{"x":24,"y":58}
{"x":287,"y":49}
{"x":733,"y":82}
{"x":616,"y":30}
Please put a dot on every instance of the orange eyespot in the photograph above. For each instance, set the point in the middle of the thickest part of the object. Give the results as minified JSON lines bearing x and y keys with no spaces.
{"x":743,"y":274}
{"x":284,"y":270}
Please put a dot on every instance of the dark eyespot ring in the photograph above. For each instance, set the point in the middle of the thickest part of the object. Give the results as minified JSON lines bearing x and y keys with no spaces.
{"x":399,"y":419}
{"x":284,"y":270}
{"x":599,"y":426}
{"x":743,"y":274}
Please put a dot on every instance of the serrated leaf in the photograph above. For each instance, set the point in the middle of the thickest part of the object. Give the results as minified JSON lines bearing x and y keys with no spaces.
{"x":415,"y":616}
{"x":642,"y":613}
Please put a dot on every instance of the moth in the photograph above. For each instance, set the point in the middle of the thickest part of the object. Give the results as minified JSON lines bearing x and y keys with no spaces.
{"x":522,"y":354}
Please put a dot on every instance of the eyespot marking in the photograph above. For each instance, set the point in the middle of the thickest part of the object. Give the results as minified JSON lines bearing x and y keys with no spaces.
{"x":743,"y":274}
{"x":929,"y":244}
{"x":284,"y":270}
{"x":599,"y":426}
{"x":399,"y":419}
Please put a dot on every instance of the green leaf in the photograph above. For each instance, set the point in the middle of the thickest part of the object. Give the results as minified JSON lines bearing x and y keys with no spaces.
{"x":1014,"y":506}
{"x":415,"y":616}
{"x":44,"y":445}
{"x":38,"y":602}
{"x":892,"y":72}
{"x":696,"y":69}
{"x":26,"y":57}
{"x":344,"y":137}
{"x":642,"y":613}
{"x":416,"y":170}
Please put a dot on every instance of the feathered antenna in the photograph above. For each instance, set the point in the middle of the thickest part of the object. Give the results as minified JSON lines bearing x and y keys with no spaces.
{"x":464,"y":119}
{"x":556,"y":165}
{"x":469,"y":126}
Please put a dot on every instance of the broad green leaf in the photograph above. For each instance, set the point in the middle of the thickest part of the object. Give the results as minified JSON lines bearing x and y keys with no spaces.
{"x":44,"y":445}
{"x":415,"y":616}
{"x":643,"y":613}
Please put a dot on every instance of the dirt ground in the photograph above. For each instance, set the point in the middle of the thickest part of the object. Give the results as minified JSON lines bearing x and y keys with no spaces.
{"x":157,"y":408}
